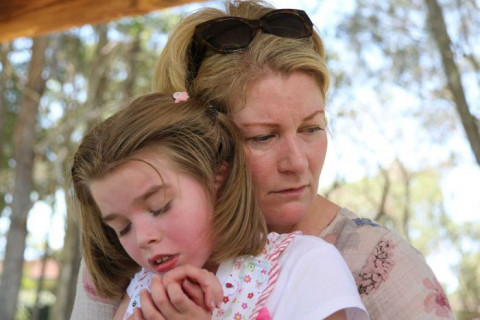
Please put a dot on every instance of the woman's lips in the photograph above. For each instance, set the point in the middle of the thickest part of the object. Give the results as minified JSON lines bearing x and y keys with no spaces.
{"x":291,"y":191}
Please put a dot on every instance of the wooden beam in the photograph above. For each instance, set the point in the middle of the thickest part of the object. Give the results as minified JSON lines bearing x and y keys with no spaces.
{"x":30,"y":18}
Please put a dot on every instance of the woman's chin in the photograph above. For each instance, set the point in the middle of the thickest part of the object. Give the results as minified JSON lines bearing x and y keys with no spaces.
{"x":285,"y":219}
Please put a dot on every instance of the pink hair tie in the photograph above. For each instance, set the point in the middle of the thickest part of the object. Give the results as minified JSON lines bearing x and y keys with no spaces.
{"x":180,"y":96}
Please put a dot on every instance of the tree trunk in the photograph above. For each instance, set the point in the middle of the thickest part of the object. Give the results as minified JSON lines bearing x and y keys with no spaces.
{"x":439,"y":32}
{"x":4,"y":49}
{"x":99,"y":69}
{"x":132,"y":58}
{"x":23,"y":183}
{"x":71,"y":256}
{"x":68,"y":273}
{"x":381,"y":211}
{"x":40,"y":284}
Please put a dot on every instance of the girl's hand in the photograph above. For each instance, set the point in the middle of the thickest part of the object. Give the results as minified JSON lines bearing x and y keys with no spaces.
{"x":200,"y":285}
{"x":185,"y":292}
{"x":168,"y":303}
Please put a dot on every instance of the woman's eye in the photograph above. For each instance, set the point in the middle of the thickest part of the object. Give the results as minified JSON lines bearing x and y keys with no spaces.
{"x":262,"y":138}
{"x":125,"y":230}
{"x":162,"y":210}
{"x":313,"y":129}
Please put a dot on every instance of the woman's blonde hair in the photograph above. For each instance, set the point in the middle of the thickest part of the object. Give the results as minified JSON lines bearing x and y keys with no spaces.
{"x":199,"y":142}
{"x":223,"y":79}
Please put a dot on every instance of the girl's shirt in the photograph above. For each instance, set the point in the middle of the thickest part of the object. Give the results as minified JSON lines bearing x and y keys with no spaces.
{"x":295,"y":277}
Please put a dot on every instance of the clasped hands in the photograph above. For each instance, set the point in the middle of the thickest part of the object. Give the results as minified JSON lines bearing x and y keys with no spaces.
{"x":186,"y":292}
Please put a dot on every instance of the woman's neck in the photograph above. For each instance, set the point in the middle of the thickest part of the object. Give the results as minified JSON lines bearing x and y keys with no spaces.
{"x":321,"y":214}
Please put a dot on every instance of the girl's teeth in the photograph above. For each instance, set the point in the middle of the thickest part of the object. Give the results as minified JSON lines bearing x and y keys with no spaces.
{"x":163,"y":259}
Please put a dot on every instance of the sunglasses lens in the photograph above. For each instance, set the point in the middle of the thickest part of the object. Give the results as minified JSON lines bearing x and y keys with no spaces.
{"x":287,"y":25}
{"x":229,"y":35}
{"x":225,"y":35}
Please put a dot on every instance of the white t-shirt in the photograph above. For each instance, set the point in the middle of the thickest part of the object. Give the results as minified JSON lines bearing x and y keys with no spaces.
{"x":314,"y":274}
{"x":313,"y":283}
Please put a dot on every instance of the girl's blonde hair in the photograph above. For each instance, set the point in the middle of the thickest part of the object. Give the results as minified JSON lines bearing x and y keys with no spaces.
{"x":223,"y":79}
{"x":199,"y":142}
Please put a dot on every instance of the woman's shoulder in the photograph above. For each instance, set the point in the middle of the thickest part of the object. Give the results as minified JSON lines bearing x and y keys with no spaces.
{"x":384,"y":264}
{"x":348,"y":230}
{"x":358,"y":239}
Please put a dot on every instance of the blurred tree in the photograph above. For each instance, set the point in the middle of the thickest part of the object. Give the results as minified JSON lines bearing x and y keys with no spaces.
{"x":439,"y":32}
{"x":98,"y":68}
{"x":25,"y":132}
{"x":8,"y":93}
{"x":395,"y":45}
{"x":426,"y":78}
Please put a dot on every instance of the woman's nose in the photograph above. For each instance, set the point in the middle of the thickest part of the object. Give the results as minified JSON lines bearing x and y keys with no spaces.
{"x":293,"y":158}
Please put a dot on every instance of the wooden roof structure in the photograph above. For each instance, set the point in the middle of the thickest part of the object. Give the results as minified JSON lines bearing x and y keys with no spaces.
{"x":31,"y":18}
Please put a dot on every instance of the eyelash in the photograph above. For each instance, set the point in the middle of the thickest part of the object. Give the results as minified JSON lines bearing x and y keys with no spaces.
{"x":155,"y":213}
{"x":164,"y":209}
{"x":260,"y":139}
{"x":310,"y":130}
{"x":314,"y":129}
{"x":125,"y":230}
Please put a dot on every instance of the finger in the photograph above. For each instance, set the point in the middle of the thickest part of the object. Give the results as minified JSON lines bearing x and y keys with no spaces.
{"x":180,"y":301}
{"x":194,"y":292}
{"x":152,"y":303}
{"x":212,"y":289}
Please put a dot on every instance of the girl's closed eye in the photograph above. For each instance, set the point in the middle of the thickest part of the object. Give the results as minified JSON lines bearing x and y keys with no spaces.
{"x":125,"y":230}
{"x":162,"y":210}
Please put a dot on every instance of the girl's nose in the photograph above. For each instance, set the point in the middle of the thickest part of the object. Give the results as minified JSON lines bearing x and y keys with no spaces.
{"x":146,"y":233}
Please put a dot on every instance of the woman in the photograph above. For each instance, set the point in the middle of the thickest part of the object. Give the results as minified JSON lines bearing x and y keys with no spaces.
{"x":269,"y":74}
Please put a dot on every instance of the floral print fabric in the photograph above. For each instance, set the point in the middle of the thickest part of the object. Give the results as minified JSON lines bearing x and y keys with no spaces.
{"x":251,"y":280}
{"x":246,"y":287}
{"x":392,"y":277}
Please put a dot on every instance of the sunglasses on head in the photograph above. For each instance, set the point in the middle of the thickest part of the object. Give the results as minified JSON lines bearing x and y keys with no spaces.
{"x":231,"y":34}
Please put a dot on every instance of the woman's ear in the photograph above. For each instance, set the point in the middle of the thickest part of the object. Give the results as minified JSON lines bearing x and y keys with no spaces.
{"x":221,"y":175}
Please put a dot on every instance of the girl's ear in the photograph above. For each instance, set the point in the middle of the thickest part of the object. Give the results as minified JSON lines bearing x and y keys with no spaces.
{"x":222,"y":173}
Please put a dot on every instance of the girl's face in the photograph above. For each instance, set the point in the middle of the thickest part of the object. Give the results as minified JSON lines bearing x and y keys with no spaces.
{"x":161,"y":221}
{"x":283,"y":123}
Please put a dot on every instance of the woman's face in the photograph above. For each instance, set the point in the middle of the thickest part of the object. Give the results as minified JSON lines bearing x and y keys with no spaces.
{"x":283,"y":123}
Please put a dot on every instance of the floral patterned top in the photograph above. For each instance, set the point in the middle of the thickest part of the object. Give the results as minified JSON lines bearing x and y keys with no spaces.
{"x":392,"y":277}
{"x":247,"y":282}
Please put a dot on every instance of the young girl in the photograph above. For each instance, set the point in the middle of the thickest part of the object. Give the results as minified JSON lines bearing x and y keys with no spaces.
{"x":162,"y":185}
